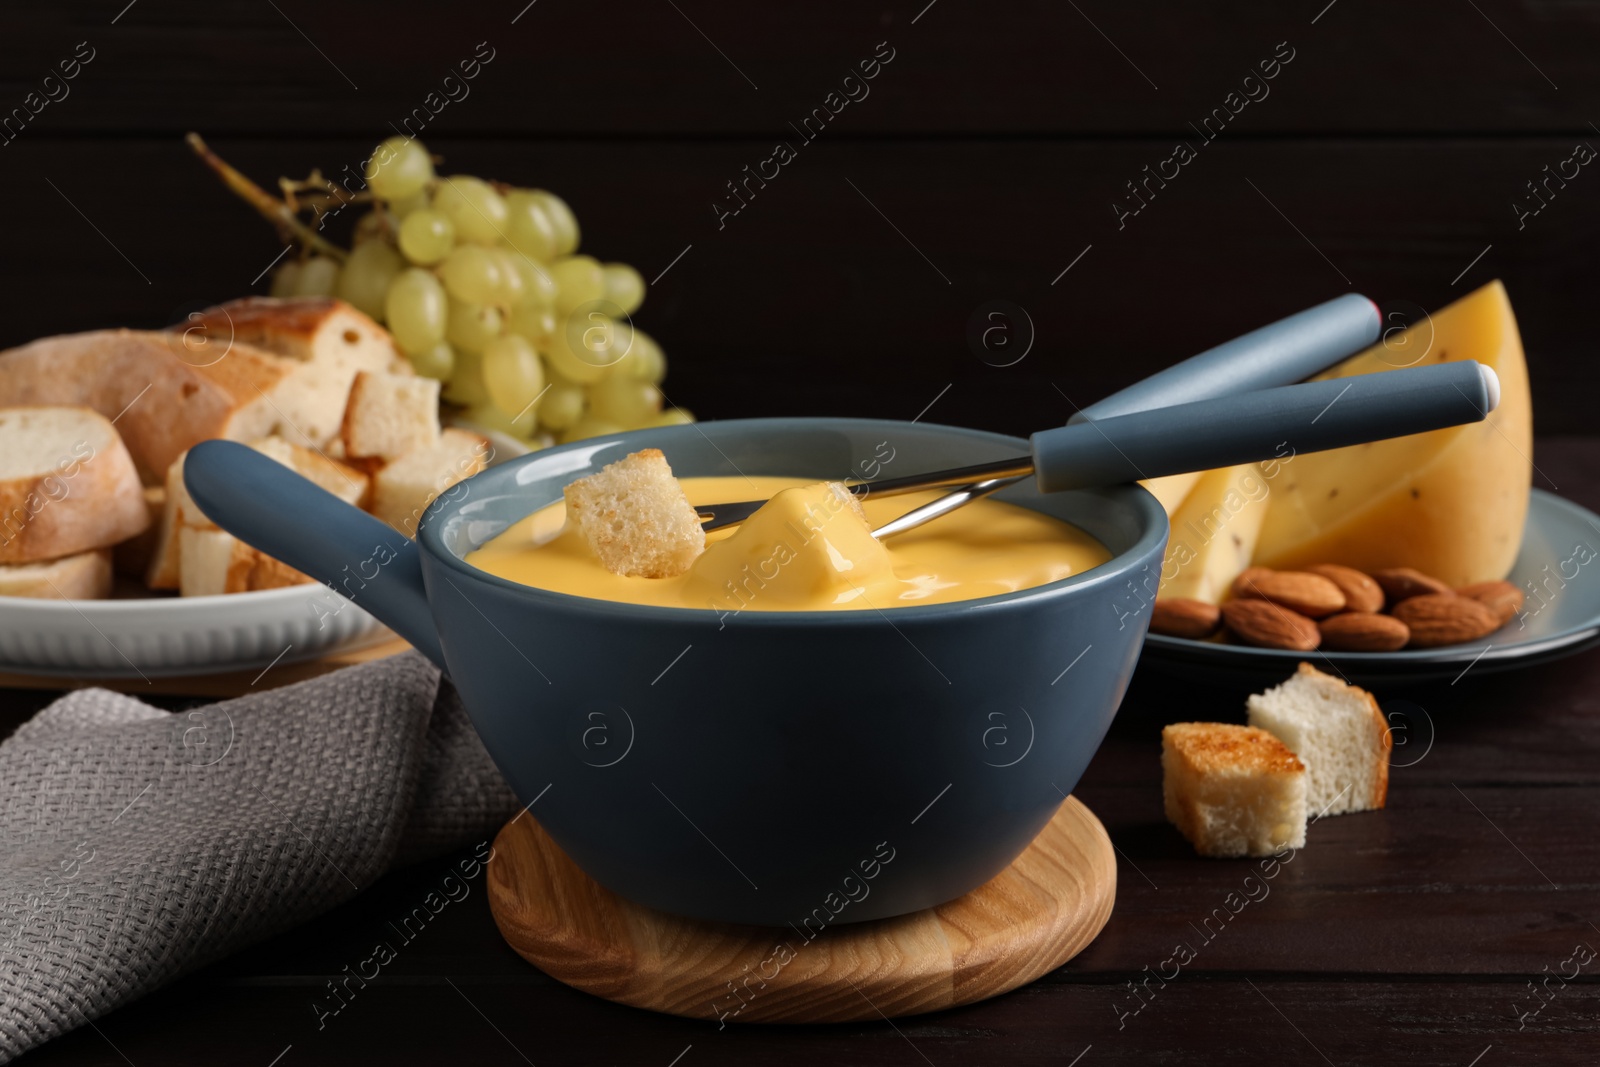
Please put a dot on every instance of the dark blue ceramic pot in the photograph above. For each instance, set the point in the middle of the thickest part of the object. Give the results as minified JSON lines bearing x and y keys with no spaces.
{"x":767,"y":767}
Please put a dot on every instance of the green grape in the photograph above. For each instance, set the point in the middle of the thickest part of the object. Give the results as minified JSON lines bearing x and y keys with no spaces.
{"x":426,"y":237}
{"x":561,"y":217}
{"x":492,"y":418}
{"x":588,"y":427}
{"x":529,"y":228}
{"x":536,"y":324}
{"x":584,"y":353}
{"x":538,"y":288}
{"x":285,"y":278}
{"x":471,"y":274}
{"x":670,"y":417}
{"x":645,"y":361}
{"x":623,"y":287}
{"x":405,"y":205}
{"x":319,"y":276}
{"x":365,"y":279}
{"x":465,"y":386}
{"x":562,"y":405}
{"x":472,"y":327}
{"x":579,"y":280}
{"x":472,"y":204}
{"x":437,"y":362}
{"x":512,"y":374}
{"x":624,"y":401}
{"x":368,"y":227}
{"x":511,"y":284}
{"x":415,"y":310}
{"x":398,"y":168}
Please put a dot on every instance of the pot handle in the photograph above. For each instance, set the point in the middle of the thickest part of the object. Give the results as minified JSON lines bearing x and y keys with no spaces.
{"x":269,"y":506}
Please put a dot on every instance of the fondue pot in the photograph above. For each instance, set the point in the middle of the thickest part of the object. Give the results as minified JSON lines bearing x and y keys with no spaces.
{"x":752,"y":768}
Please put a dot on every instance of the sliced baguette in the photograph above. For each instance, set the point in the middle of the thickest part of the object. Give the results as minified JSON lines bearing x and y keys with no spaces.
{"x":635,"y":517}
{"x":84,"y":576}
{"x":212,"y":562}
{"x":311,"y":329}
{"x":1337,"y":730}
{"x":330,"y":340}
{"x":390,"y":415}
{"x":1232,"y":790}
{"x":67,"y":484}
{"x":402,"y":490}
{"x":162,"y":405}
{"x":180,"y":510}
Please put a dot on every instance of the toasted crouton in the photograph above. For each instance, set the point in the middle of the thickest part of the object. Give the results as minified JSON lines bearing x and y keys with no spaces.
{"x":1337,"y":730}
{"x":1232,"y":790}
{"x":389,"y":415}
{"x":402,"y":490}
{"x":636,"y":517}
{"x":84,"y":576}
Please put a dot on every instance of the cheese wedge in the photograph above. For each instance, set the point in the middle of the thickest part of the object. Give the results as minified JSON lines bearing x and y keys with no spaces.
{"x":1450,"y":503}
{"x":1172,"y":490}
{"x":1214,"y":533}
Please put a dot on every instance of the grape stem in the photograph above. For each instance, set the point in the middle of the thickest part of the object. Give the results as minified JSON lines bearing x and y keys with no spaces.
{"x":275,"y":211}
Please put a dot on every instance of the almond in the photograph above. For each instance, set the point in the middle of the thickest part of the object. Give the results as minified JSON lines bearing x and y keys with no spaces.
{"x":1268,"y":625}
{"x":1445,"y":619}
{"x":1363,"y":631}
{"x":1503,"y":598}
{"x":1361,"y":593}
{"x":1310,"y":594}
{"x":1402,"y":583}
{"x":1178,"y":616}
{"x":1249,"y":577}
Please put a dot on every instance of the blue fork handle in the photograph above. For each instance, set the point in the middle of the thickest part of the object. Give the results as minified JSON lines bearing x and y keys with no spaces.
{"x":1287,"y":351}
{"x":1263,"y":425}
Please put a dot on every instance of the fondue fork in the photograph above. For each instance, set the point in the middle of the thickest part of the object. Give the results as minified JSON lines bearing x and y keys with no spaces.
{"x":1143,"y":432}
{"x":1280,"y":353}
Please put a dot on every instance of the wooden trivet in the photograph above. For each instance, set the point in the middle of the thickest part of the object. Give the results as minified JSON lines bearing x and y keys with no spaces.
{"x":1026,"y":921}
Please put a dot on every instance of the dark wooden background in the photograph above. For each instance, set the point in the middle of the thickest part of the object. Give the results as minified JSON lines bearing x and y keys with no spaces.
{"x":1386,"y":158}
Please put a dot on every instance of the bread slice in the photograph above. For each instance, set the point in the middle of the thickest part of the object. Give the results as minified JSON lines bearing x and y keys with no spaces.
{"x":132,"y":557}
{"x":180,"y":510}
{"x":212,"y":562}
{"x":389,"y":415}
{"x":311,"y":329}
{"x":329,"y":340}
{"x":1337,"y":730}
{"x":402,"y":490}
{"x":635,"y":516}
{"x":161,"y":404}
{"x":348,"y":483}
{"x":84,"y":576}
{"x":1232,"y":790}
{"x":67,"y":484}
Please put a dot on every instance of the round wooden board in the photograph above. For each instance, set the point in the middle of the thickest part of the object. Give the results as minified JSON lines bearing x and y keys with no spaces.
{"x":1026,"y":921}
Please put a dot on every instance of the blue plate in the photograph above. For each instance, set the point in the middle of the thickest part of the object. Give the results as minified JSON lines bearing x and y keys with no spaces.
{"x":1558,"y":568}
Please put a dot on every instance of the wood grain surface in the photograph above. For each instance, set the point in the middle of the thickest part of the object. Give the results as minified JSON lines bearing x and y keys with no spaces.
{"x":1026,"y":921}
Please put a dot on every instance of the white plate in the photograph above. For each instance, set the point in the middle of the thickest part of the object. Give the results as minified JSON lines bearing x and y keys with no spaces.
{"x":1557,"y":565}
{"x":157,"y":636}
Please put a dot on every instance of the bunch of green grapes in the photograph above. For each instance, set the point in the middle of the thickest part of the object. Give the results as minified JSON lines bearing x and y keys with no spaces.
{"x":483,"y":288}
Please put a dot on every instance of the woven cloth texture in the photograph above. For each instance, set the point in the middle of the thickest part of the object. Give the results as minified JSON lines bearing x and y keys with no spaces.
{"x":138,"y":844}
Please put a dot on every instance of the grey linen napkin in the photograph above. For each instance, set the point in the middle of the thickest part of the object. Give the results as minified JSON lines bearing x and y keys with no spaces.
{"x":138,"y":844}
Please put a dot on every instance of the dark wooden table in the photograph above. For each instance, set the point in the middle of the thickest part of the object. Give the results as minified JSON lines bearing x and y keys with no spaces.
{"x":1435,"y":931}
